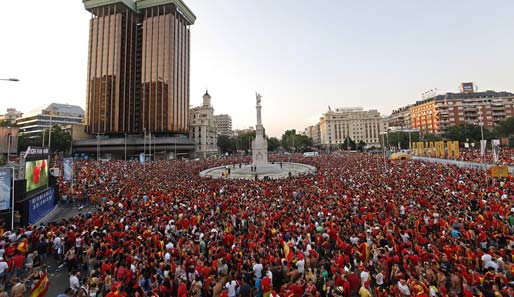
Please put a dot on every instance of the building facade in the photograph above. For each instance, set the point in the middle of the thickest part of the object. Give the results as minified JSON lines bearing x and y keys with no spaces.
{"x":223,"y":123}
{"x":42,"y":118}
{"x":400,"y":118}
{"x":8,"y":142}
{"x":203,"y":129}
{"x":138,"y":67}
{"x":337,"y":125}
{"x":313,"y":132}
{"x":437,"y":114}
{"x":11,"y":115}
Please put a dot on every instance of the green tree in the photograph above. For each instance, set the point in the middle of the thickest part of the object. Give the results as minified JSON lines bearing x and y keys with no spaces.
{"x":505,"y":128}
{"x":244,"y":141}
{"x":360,"y":146}
{"x":273,"y":144}
{"x":348,"y":143}
{"x":6,"y":123}
{"x":431,"y":137}
{"x":295,"y":142}
{"x":60,"y":140}
{"x":464,"y":133}
{"x":402,"y":138}
{"x":226,"y":144}
{"x":26,"y":140}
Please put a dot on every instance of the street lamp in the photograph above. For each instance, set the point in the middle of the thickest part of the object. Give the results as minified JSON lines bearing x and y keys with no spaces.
{"x":10,"y":79}
{"x":125,"y":146}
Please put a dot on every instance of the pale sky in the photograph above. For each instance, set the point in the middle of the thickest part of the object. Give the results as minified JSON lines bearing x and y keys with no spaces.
{"x":302,"y":56}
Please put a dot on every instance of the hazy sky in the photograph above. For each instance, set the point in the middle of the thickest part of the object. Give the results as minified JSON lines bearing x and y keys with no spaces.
{"x":302,"y":56}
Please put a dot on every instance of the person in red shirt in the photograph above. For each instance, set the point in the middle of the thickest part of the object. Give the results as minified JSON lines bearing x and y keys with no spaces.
{"x":266,"y":286}
{"x":18,"y":262}
{"x":297,"y":288}
{"x":182,"y":289}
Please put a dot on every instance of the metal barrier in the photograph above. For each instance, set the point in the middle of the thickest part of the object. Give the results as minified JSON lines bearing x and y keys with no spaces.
{"x":463,"y":164}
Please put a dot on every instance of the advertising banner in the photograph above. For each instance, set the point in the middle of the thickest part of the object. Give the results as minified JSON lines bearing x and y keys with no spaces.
{"x":5,"y":188}
{"x":68,"y":168}
{"x":141,"y":158}
{"x":36,"y":153}
{"x":499,"y":171}
{"x":41,"y":205}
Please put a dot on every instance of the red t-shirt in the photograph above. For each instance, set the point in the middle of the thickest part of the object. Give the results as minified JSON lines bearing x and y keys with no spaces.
{"x":266,"y":284}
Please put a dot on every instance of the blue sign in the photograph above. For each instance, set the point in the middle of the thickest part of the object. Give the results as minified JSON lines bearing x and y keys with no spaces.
{"x":41,"y":205}
{"x":68,"y":168}
{"x":5,"y":188}
{"x":141,"y":158}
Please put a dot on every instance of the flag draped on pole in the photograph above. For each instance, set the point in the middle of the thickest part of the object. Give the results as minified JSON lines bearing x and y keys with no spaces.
{"x":41,"y":287}
{"x":483,"y":144}
{"x":496,"y":149}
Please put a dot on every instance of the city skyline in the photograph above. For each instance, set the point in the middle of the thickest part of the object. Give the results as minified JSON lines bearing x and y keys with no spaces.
{"x":347,"y":54}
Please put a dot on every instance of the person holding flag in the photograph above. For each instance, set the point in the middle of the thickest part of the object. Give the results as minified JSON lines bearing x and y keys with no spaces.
{"x":41,"y":287}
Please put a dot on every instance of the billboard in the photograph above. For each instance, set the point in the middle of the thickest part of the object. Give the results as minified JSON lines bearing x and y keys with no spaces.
{"x":5,"y":188}
{"x":467,"y":87}
{"x":41,"y":205}
{"x":68,"y":168}
{"x":36,"y":173}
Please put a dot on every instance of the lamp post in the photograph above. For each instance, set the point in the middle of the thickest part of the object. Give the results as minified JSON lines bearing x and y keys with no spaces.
{"x":97,"y":146}
{"x":9,"y":147}
{"x":50,"y":133}
{"x":12,"y":199}
{"x":125,"y":147}
{"x":175,"y":153}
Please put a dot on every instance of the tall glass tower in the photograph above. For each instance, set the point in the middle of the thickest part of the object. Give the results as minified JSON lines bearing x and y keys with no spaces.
{"x":138,"y":66}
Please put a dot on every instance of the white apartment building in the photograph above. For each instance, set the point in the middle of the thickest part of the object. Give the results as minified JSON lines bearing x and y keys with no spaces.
{"x":202,"y":129}
{"x":358,"y":124}
{"x":223,"y":123}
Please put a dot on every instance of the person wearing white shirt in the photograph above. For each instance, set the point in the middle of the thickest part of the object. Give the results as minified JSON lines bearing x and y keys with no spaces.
{"x":300,"y":266}
{"x":486,"y":258}
{"x":257,"y":269}
{"x":231,"y":286}
{"x":403,"y":288}
{"x":3,"y":266}
{"x":74,"y":281}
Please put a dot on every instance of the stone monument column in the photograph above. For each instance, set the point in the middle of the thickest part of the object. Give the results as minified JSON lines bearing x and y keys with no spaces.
{"x":260,"y":144}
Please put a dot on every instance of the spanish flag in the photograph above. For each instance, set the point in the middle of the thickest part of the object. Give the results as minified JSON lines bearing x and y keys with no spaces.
{"x":41,"y":287}
{"x":287,"y":253}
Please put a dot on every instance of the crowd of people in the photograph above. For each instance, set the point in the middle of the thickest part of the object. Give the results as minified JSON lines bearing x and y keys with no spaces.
{"x":357,"y":227}
{"x":505,"y":156}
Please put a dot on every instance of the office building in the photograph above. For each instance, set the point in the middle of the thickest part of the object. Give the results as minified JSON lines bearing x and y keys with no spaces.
{"x":203,"y":129}
{"x":356,"y":123}
{"x":313,"y":132}
{"x":41,"y":118}
{"x":11,"y":115}
{"x":223,"y":123}
{"x":138,"y":67}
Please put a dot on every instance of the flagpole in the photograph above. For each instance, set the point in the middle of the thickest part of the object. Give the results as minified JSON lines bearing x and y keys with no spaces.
{"x":12,"y":199}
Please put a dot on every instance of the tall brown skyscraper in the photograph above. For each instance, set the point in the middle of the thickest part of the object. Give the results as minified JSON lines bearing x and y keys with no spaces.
{"x":138,"y":68}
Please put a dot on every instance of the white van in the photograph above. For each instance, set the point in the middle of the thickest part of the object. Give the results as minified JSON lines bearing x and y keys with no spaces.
{"x":310,"y":154}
